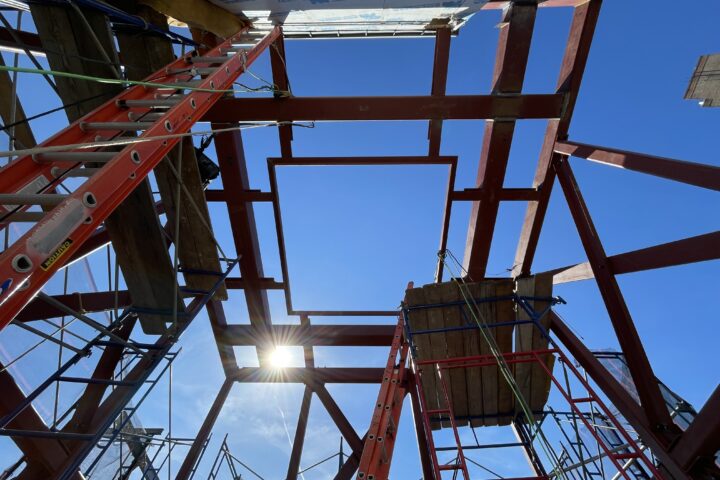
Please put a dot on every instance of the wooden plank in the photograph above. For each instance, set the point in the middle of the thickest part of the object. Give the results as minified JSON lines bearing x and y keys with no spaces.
{"x":438,"y":343}
{"x":134,"y":227}
{"x":418,"y":321}
{"x":489,"y":374}
{"x":22,"y":133}
{"x":474,"y":344}
{"x":449,"y":292}
{"x":505,"y":312}
{"x":524,"y":342}
{"x":540,"y":379}
{"x":146,"y":54}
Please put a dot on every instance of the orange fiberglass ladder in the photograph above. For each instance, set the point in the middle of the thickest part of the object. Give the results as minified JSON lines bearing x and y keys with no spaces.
{"x":162,"y":113}
{"x":381,"y":436}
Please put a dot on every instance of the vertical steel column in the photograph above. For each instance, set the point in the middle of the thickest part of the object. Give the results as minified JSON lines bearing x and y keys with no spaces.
{"x":573,"y":66}
{"x":420,"y":433}
{"x":439,"y":82}
{"x":299,"y":441}
{"x":516,"y":30}
{"x":640,"y":369}
{"x":281,"y":81}
{"x":198,"y":444}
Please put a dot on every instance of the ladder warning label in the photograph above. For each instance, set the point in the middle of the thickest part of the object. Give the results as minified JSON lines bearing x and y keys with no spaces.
{"x":55,"y":256}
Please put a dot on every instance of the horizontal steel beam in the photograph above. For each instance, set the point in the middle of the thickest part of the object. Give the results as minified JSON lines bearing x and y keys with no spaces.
{"x":698,"y":174}
{"x":308,"y":375}
{"x":311,"y":335}
{"x":88,"y":302}
{"x":688,"y":250}
{"x":29,"y":40}
{"x":264,"y":283}
{"x":451,"y":107}
{"x":360,"y":161}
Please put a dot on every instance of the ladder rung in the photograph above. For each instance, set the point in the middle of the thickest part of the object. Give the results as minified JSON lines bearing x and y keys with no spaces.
{"x":74,"y":157}
{"x":192,"y":71}
{"x":440,"y":410}
{"x":203,"y":59}
{"x":97,"y":381}
{"x":125,"y":126}
{"x":25,"y":217}
{"x":625,"y":456}
{"x":582,"y":400}
{"x":74,"y":172}
{"x":452,"y":466}
{"x":147,"y":116}
{"x":180,"y":85}
{"x":46,"y":199}
{"x":152,"y":103}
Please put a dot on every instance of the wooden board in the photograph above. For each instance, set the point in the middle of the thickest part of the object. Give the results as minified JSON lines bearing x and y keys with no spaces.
{"x":418,"y":321}
{"x":438,"y":343}
{"x":145,"y":55}
{"x":133,"y":227}
{"x":474,"y":343}
{"x":524,"y":342}
{"x":505,"y":312}
{"x":540,"y":378}
{"x":452,"y":317}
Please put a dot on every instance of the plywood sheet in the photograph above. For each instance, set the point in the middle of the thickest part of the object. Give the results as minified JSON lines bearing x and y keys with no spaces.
{"x":439,"y":341}
{"x":452,"y":318}
{"x":505,"y":312}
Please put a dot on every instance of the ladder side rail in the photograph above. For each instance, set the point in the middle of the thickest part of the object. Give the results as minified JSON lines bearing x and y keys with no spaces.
{"x":426,"y":420}
{"x":371,"y":451}
{"x":63,"y":230}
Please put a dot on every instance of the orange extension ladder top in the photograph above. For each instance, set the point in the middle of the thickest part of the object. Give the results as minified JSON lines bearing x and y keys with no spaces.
{"x":165,"y":112}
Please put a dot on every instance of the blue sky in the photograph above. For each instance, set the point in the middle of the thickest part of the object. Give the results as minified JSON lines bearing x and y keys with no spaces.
{"x":356,"y":235}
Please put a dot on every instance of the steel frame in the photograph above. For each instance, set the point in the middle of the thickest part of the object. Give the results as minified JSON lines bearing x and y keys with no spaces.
{"x":682,"y":453}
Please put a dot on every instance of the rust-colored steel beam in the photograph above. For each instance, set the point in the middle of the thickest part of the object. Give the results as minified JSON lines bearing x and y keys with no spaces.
{"x":299,"y":440}
{"x":516,"y":30}
{"x":420,"y":434}
{"x":698,"y":174}
{"x":312,"y":335}
{"x":343,"y":424}
{"x":309,"y":375}
{"x":278,"y":65}
{"x":622,"y":322}
{"x":196,"y":448}
{"x":218,"y":322}
{"x":450,"y":107}
{"x":701,"y":248}
{"x":695,"y":450}
{"x":29,"y":40}
{"x":571,"y":72}
{"x":506,"y":194}
{"x":616,"y":393}
{"x":233,"y":169}
{"x":39,"y":309}
{"x":247,"y":196}
{"x":266,"y":283}
{"x":42,"y":454}
{"x":361,"y":161}
{"x":439,"y":82}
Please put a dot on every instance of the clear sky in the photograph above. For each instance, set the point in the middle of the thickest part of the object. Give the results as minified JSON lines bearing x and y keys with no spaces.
{"x":356,"y":235}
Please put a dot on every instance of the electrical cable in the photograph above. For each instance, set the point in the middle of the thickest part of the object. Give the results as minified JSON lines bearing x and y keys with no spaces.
{"x":115,"y":81}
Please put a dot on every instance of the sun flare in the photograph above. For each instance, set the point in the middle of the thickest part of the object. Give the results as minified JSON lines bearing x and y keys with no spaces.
{"x":280,"y":357}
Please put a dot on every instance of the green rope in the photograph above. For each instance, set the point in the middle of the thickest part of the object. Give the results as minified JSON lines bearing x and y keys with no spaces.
{"x":502,"y":364}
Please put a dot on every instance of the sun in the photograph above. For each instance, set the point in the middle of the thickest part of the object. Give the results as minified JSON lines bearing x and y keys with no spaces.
{"x":280,"y":357}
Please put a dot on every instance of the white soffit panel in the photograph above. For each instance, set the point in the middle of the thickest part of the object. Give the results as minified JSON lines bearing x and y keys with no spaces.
{"x":353,"y":18}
